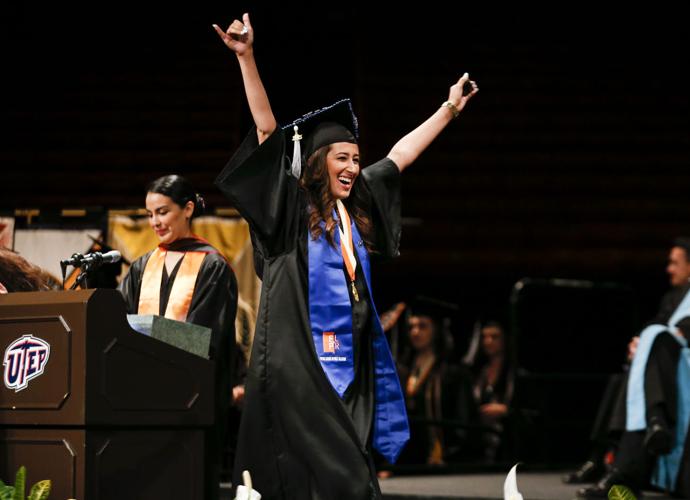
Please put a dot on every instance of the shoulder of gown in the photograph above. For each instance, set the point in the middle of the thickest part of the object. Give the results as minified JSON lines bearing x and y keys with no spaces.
{"x":382,"y":185}
{"x":258,"y":183}
{"x":131,"y":283}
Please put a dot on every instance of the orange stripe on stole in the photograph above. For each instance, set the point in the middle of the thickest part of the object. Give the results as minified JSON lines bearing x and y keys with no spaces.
{"x":182,"y":290}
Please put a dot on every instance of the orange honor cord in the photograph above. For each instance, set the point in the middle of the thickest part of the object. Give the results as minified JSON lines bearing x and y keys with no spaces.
{"x":346,"y":247}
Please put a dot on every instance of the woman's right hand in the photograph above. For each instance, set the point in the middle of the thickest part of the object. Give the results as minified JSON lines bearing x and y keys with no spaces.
{"x":455,"y":95}
{"x":239,"y":37}
{"x":390,"y":318}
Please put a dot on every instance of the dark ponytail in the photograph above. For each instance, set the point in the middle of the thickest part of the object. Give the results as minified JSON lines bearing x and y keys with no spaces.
{"x":179,"y":190}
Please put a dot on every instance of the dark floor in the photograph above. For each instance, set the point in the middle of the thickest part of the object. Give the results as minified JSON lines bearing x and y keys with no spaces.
{"x":532,"y":485}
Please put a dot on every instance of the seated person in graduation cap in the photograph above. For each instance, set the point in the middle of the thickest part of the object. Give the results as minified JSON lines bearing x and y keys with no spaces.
{"x":186,"y":279}
{"x":654,"y":445}
{"x":493,"y":386}
{"x":435,"y":388}
{"x":321,"y":389}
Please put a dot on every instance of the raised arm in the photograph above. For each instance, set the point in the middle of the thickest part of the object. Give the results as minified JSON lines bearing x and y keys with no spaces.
{"x":239,"y":37}
{"x":407,"y":149}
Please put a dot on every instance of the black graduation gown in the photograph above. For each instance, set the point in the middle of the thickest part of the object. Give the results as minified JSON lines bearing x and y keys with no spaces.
{"x":445,"y":394}
{"x":297,"y":438}
{"x":214,"y":305}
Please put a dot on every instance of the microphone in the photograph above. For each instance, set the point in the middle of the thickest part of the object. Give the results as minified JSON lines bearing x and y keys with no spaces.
{"x":92,"y":259}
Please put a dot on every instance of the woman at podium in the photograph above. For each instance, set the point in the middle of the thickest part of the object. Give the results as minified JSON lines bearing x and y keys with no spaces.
{"x":186,"y":279}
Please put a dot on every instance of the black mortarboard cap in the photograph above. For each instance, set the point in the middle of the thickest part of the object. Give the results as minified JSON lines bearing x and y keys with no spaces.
{"x":436,"y":309}
{"x":328,"y":125}
{"x":443,"y":314}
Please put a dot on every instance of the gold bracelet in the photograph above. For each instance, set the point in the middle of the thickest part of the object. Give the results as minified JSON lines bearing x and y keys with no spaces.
{"x":453,"y":108}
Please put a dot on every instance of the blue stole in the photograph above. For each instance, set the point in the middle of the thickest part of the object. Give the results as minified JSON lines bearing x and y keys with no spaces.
{"x":330,"y":312}
{"x":667,"y":466}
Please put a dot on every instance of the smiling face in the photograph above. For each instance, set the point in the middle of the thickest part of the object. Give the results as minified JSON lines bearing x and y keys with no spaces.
{"x":342,"y":162}
{"x":168,"y":220}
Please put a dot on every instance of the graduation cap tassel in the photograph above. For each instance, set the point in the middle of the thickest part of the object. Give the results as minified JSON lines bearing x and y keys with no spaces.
{"x":296,"y":154}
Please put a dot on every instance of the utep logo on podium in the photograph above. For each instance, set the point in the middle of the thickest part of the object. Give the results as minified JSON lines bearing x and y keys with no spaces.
{"x":24,"y":360}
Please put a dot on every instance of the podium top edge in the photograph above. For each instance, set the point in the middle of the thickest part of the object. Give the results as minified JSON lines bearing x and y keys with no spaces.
{"x":48,"y":297}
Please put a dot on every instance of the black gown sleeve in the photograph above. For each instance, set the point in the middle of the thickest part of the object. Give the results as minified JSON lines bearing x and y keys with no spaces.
{"x":214,"y":305}
{"x":382,"y":186}
{"x":684,"y":324}
{"x":667,"y":306}
{"x":258,"y":183}
{"x":214,"y":302}
{"x":131,"y":284}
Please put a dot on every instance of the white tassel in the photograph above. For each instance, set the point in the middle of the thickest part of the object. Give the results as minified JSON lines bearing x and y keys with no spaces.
{"x":296,"y":154}
{"x":246,"y":492}
{"x":510,"y":489}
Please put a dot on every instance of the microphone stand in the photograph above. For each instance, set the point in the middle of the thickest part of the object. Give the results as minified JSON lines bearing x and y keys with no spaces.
{"x":85,"y":268}
{"x":82,"y":277}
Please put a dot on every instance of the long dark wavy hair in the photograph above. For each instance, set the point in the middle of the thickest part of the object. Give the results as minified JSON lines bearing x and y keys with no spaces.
{"x":18,"y":275}
{"x":315,"y":182}
{"x":505,"y":383}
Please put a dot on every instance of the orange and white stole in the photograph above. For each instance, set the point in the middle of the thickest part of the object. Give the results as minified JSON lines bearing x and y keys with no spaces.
{"x":346,"y":246}
{"x":182,"y":290}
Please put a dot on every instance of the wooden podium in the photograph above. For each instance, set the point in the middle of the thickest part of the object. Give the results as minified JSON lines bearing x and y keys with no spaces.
{"x":99,"y":409}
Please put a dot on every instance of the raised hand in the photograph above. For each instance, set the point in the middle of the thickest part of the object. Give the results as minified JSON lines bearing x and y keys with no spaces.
{"x":390,"y":318}
{"x":239,"y":37}
{"x":455,"y":95}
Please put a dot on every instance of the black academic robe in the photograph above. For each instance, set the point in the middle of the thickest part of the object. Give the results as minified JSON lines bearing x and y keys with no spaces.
{"x":213,"y":305}
{"x":660,"y":381}
{"x":660,"y":395}
{"x":298,"y":439}
{"x":493,"y":442}
{"x":668,"y":305}
{"x":445,"y":394}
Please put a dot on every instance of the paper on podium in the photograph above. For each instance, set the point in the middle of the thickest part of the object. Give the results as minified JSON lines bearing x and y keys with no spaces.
{"x":186,"y":336}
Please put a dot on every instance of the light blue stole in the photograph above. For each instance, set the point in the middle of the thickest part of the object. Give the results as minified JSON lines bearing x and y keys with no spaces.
{"x":330,"y":314}
{"x":667,"y":466}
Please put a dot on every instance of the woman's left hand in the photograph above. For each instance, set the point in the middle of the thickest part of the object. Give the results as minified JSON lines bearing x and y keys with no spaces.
{"x":455,"y":95}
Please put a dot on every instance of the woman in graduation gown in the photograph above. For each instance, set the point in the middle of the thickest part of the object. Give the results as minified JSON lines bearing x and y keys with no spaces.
{"x":494,"y":385}
{"x":322,"y":389}
{"x":435,"y":387}
{"x":186,"y":279}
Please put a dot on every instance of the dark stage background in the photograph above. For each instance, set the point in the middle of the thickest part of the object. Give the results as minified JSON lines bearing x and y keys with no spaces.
{"x":572,"y":161}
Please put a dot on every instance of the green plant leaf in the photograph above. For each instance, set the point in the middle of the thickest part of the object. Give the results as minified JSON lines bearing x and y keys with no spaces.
{"x":20,"y":484}
{"x":6,"y":492}
{"x":40,"y":490}
{"x":620,"y":492}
